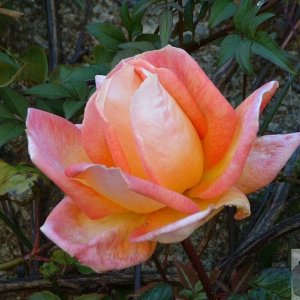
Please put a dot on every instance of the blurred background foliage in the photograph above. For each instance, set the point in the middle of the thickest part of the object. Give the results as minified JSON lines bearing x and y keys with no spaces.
{"x":38,"y":77}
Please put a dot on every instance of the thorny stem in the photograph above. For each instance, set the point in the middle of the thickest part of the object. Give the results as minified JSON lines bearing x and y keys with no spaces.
{"x":20,"y":260}
{"x":199,"y":268}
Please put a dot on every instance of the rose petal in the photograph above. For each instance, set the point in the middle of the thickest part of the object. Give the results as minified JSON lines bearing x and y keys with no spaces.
{"x":169,"y":226}
{"x":109,"y":132}
{"x":177,"y":90}
{"x":115,"y":107}
{"x":220,"y":116}
{"x":100,"y":244}
{"x":216,"y":181}
{"x":167,"y":141}
{"x":93,"y":136}
{"x":130,"y":192}
{"x":267,"y":157}
{"x":54,"y":144}
{"x":99,"y":79}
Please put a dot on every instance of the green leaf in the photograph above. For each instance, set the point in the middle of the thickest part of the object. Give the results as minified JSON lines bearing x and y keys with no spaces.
{"x":9,"y":131}
{"x":16,"y":182}
{"x":71,"y":107}
{"x":49,"y":91}
{"x":248,"y":19}
{"x":108,"y":34}
{"x":186,"y":293}
{"x":242,"y":10}
{"x":78,"y":74}
{"x":7,"y":60}
{"x":45,"y":295}
{"x":157,"y":292}
{"x":243,"y":56}
{"x":258,"y":20}
{"x":8,"y":73}
{"x":80,"y":3}
{"x":142,"y":5}
{"x":188,"y":14}
{"x":103,"y":54}
{"x":257,"y":294}
{"x":198,"y":287}
{"x":276,"y":281}
{"x":62,"y":258}
{"x":83,"y":269}
{"x":35,"y":65}
{"x":264,"y":46}
{"x":49,"y":269}
{"x":203,"y":10}
{"x":93,"y":296}
{"x":228,"y":48}
{"x":122,"y":54}
{"x":5,"y":114}
{"x":126,"y":19}
{"x":149,"y":37}
{"x":220,"y":11}
{"x":165,"y":27}
{"x":141,"y":45}
{"x":15,"y":101}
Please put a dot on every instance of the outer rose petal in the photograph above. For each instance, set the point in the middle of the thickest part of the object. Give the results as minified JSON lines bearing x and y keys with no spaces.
{"x":54,"y":144}
{"x":100,"y":244}
{"x":109,"y":132}
{"x":267,"y":157}
{"x":169,"y":226}
{"x":93,"y":137}
{"x":115,"y":107}
{"x":99,"y":79}
{"x":133,"y":193}
{"x":220,"y":116}
{"x":225,"y":174}
{"x":168,"y":144}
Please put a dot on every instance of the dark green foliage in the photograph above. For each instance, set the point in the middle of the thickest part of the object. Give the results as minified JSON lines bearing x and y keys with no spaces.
{"x":271,"y":284}
{"x":228,"y":48}
{"x":45,"y":295}
{"x":243,"y":56}
{"x":221,"y":10}
{"x":264,"y":46}
{"x":247,"y":40}
{"x":156,"y":292}
{"x":165,"y":27}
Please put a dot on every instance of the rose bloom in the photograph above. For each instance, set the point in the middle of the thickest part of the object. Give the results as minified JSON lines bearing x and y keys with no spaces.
{"x":159,"y":153}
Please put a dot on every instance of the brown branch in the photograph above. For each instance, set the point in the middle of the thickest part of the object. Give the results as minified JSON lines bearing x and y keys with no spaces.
{"x":79,"y":283}
{"x":20,"y":260}
{"x":199,"y":268}
{"x":79,"y":45}
{"x":159,"y":268}
{"x":53,"y":39}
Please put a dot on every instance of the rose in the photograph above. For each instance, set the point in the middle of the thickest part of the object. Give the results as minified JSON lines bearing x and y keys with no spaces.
{"x":160,"y":151}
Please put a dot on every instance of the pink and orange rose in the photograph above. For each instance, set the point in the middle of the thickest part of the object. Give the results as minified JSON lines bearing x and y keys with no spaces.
{"x":160,"y":152}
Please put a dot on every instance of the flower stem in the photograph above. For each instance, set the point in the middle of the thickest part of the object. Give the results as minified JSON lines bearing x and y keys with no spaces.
{"x":199,"y":268}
